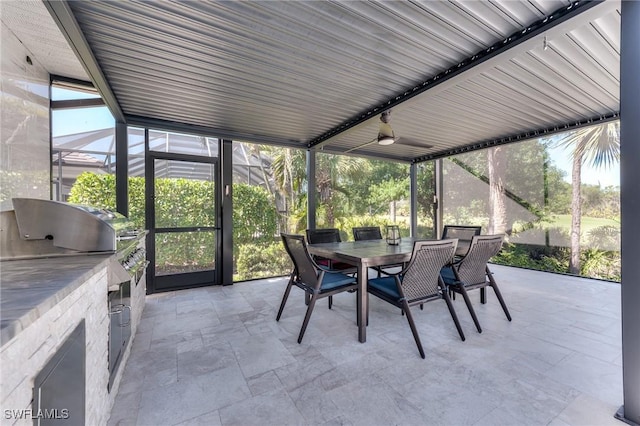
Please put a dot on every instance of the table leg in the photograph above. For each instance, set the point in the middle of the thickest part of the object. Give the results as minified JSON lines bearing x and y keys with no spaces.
{"x":362,"y":302}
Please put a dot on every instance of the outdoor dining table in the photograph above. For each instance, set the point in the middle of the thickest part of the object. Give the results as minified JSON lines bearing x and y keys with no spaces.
{"x":364,"y":255}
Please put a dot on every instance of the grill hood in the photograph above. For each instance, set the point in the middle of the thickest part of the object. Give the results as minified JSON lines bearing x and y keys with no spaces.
{"x":68,"y":226}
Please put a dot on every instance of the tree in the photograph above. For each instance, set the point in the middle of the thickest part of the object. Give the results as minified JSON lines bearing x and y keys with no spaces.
{"x":516,"y":178}
{"x":598,"y":146}
{"x":497,"y":204}
{"x":388,"y":192}
{"x":381,"y":185}
{"x":426,"y":194}
{"x":290,"y":175}
{"x":333,"y":173}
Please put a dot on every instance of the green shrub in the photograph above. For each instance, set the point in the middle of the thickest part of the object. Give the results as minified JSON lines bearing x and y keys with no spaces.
{"x":183,"y":202}
{"x":94,"y":190}
{"x":262,"y":260}
{"x":346,"y":224}
{"x":254,"y":215}
{"x":543,"y":258}
{"x":601,"y":264}
{"x":595,"y":263}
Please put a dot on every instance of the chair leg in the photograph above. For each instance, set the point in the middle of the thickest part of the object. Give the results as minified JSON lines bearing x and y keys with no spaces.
{"x":465,"y":296}
{"x":501,"y":300}
{"x":312,"y":303}
{"x":330,"y":301}
{"x":498,"y":294}
{"x":453,"y":314}
{"x":414,"y":331}
{"x":483,"y":295}
{"x":284,"y":298}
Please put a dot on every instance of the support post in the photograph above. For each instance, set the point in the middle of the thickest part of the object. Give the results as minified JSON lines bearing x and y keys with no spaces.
{"x":311,"y":189}
{"x":413,"y":199}
{"x":225,"y":242}
{"x":437,"y":203}
{"x":630,"y":209}
{"x":122,"y":169}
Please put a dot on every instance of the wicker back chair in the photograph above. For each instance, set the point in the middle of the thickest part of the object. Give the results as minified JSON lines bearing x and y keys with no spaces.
{"x":419,"y":282}
{"x":324,"y":235}
{"x":367,"y":233}
{"x":472,"y":272}
{"x":328,"y":235}
{"x":317,"y":282}
{"x":464,"y":234}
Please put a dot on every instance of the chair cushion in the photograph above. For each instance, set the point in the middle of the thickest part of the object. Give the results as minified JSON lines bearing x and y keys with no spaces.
{"x":341,"y":265}
{"x":333,"y":280}
{"x":447,"y":275}
{"x":323,"y":262}
{"x":385,"y":285}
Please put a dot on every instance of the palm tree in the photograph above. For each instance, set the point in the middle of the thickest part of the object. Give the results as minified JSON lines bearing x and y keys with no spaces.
{"x":598,"y":146}
{"x":332,"y":173}
{"x":496,"y":164}
{"x":289,"y":172}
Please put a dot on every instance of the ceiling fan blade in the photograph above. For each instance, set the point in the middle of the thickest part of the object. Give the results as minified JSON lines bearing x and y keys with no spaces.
{"x":412,"y":143}
{"x":361,"y":146}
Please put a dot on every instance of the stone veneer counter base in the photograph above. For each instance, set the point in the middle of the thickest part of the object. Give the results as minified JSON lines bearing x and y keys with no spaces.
{"x":43,"y":301}
{"x":30,"y":288}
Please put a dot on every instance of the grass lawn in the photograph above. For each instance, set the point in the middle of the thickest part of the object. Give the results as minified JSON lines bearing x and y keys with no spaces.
{"x":587,"y":224}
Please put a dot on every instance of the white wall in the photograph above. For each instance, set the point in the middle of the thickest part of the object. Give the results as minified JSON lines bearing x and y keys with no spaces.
{"x":25,"y":155}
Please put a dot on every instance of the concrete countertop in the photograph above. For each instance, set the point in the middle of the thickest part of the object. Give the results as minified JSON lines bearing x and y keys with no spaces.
{"x":31,"y":287}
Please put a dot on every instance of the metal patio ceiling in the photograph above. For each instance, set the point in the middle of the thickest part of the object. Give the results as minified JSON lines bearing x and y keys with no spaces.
{"x":318,"y":73}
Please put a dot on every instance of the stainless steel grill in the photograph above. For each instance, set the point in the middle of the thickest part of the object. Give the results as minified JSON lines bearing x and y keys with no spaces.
{"x":43,"y":228}
{"x":69,"y":226}
{"x":38,"y":228}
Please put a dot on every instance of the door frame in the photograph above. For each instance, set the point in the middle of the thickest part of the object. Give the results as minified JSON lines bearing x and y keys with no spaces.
{"x":190,"y":279}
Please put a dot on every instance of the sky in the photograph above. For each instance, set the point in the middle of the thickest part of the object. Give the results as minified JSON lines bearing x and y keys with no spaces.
{"x":71,"y":121}
{"x":78,"y":120}
{"x":562,"y":159}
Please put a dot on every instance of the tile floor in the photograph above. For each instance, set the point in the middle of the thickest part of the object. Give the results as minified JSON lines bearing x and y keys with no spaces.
{"x":216,"y":356}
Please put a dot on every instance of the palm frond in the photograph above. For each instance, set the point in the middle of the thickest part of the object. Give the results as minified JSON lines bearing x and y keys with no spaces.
{"x":598,"y":146}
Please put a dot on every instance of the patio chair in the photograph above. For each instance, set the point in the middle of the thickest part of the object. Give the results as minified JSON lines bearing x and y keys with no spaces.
{"x":463,"y":233}
{"x":419,"y":282}
{"x":316,"y":281}
{"x":368,"y":233}
{"x":328,"y":235}
{"x":472,"y":272}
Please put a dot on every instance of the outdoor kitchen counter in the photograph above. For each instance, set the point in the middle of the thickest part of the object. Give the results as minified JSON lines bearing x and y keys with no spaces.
{"x":31,"y":287}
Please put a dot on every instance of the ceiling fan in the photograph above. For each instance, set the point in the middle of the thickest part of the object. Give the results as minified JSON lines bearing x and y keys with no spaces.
{"x":385,"y":133}
{"x":386,"y":136}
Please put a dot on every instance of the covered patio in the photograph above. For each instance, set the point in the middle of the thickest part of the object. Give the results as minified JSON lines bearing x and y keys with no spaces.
{"x":219,"y":357}
{"x":318,"y":76}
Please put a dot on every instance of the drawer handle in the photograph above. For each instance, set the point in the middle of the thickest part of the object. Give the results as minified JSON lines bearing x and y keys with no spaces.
{"x":128,"y":323}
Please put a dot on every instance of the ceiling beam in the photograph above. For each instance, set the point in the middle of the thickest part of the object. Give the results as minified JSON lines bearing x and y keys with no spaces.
{"x":487,"y":58}
{"x":532,"y":134}
{"x":63,"y":16}
{"x":153,"y":123}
